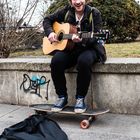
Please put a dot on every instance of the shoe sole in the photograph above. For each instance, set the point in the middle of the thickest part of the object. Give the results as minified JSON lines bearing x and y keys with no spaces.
{"x":56,"y":109}
{"x":79,"y":110}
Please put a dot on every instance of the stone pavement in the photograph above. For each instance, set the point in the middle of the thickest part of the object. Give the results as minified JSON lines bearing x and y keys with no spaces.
{"x":107,"y":127}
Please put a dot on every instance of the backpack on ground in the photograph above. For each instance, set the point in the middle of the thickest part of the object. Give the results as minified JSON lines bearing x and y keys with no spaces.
{"x":36,"y":127}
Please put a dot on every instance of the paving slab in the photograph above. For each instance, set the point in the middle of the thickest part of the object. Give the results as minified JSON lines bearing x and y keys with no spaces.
{"x":107,"y":127}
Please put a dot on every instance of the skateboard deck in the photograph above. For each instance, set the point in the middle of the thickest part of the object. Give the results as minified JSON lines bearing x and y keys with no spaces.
{"x":91,"y":113}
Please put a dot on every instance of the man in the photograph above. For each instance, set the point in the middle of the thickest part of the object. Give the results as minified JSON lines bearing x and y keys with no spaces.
{"x":84,"y":54}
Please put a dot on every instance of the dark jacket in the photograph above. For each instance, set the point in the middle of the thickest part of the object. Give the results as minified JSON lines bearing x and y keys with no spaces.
{"x":86,"y":25}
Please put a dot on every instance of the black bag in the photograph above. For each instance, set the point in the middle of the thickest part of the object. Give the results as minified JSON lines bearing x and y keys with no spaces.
{"x":36,"y":127}
{"x":101,"y":52}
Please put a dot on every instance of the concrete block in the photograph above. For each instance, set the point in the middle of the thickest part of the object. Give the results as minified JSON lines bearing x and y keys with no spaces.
{"x":119,"y":92}
{"x":30,"y":97}
{"x":114,"y":84}
{"x":8,"y":84}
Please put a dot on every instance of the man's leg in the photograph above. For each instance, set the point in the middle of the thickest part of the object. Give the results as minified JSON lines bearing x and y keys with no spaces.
{"x":60,"y":62}
{"x":84,"y":65}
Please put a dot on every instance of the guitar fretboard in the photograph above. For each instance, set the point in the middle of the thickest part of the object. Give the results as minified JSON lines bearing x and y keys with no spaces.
{"x":85,"y":35}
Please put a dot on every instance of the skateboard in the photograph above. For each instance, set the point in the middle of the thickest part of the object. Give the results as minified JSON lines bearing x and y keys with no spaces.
{"x":69,"y":110}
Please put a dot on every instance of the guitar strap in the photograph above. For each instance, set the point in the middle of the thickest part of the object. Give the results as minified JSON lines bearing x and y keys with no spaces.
{"x":66,"y":16}
{"x":90,"y":17}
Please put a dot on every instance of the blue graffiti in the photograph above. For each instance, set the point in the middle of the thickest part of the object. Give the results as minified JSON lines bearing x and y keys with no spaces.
{"x":33,"y":84}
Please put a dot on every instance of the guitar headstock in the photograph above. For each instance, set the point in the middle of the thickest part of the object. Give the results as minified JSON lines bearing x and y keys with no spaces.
{"x":103,"y":35}
{"x":106,"y":33}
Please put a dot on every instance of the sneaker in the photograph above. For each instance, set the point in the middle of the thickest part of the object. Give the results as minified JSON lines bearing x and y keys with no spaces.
{"x":80,"y":106}
{"x":60,"y":104}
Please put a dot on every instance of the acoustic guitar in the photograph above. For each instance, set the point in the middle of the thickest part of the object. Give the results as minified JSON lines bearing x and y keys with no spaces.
{"x":64,"y":33}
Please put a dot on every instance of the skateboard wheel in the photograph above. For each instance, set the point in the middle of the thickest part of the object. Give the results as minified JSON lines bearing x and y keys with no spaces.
{"x":84,"y":124}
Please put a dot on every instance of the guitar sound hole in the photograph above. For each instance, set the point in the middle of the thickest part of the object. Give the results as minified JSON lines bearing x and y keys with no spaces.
{"x":60,"y":36}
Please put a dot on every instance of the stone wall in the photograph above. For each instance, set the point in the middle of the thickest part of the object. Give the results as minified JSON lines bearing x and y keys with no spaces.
{"x":115,"y":85}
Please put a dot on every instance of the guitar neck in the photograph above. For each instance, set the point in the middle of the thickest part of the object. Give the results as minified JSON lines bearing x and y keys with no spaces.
{"x":85,"y":35}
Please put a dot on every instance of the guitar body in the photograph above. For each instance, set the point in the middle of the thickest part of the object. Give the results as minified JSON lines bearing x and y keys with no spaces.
{"x":64,"y":28}
{"x":64,"y":34}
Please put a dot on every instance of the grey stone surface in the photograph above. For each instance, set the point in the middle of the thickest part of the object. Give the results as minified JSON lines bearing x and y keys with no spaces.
{"x":112,"y":65}
{"x":27,"y":98}
{"x":120,"y":92}
{"x":107,"y":127}
{"x":114,"y":85}
{"x":8,"y":83}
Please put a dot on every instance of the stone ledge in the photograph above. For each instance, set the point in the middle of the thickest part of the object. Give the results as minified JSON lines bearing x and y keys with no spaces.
{"x":112,"y":65}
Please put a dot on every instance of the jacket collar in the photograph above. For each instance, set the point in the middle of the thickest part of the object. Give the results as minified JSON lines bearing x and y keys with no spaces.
{"x":87,"y":12}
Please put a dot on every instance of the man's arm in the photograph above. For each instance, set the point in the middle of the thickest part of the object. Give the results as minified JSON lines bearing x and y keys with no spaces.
{"x":50,"y":19}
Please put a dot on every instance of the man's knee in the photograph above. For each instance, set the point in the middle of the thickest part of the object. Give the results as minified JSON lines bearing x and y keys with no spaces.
{"x":83,"y":63}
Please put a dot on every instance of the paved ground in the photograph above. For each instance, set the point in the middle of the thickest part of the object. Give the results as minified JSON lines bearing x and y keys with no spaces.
{"x":106,"y":127}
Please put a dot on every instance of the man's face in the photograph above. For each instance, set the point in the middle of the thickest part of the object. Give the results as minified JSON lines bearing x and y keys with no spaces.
{"x":79,"y":5}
